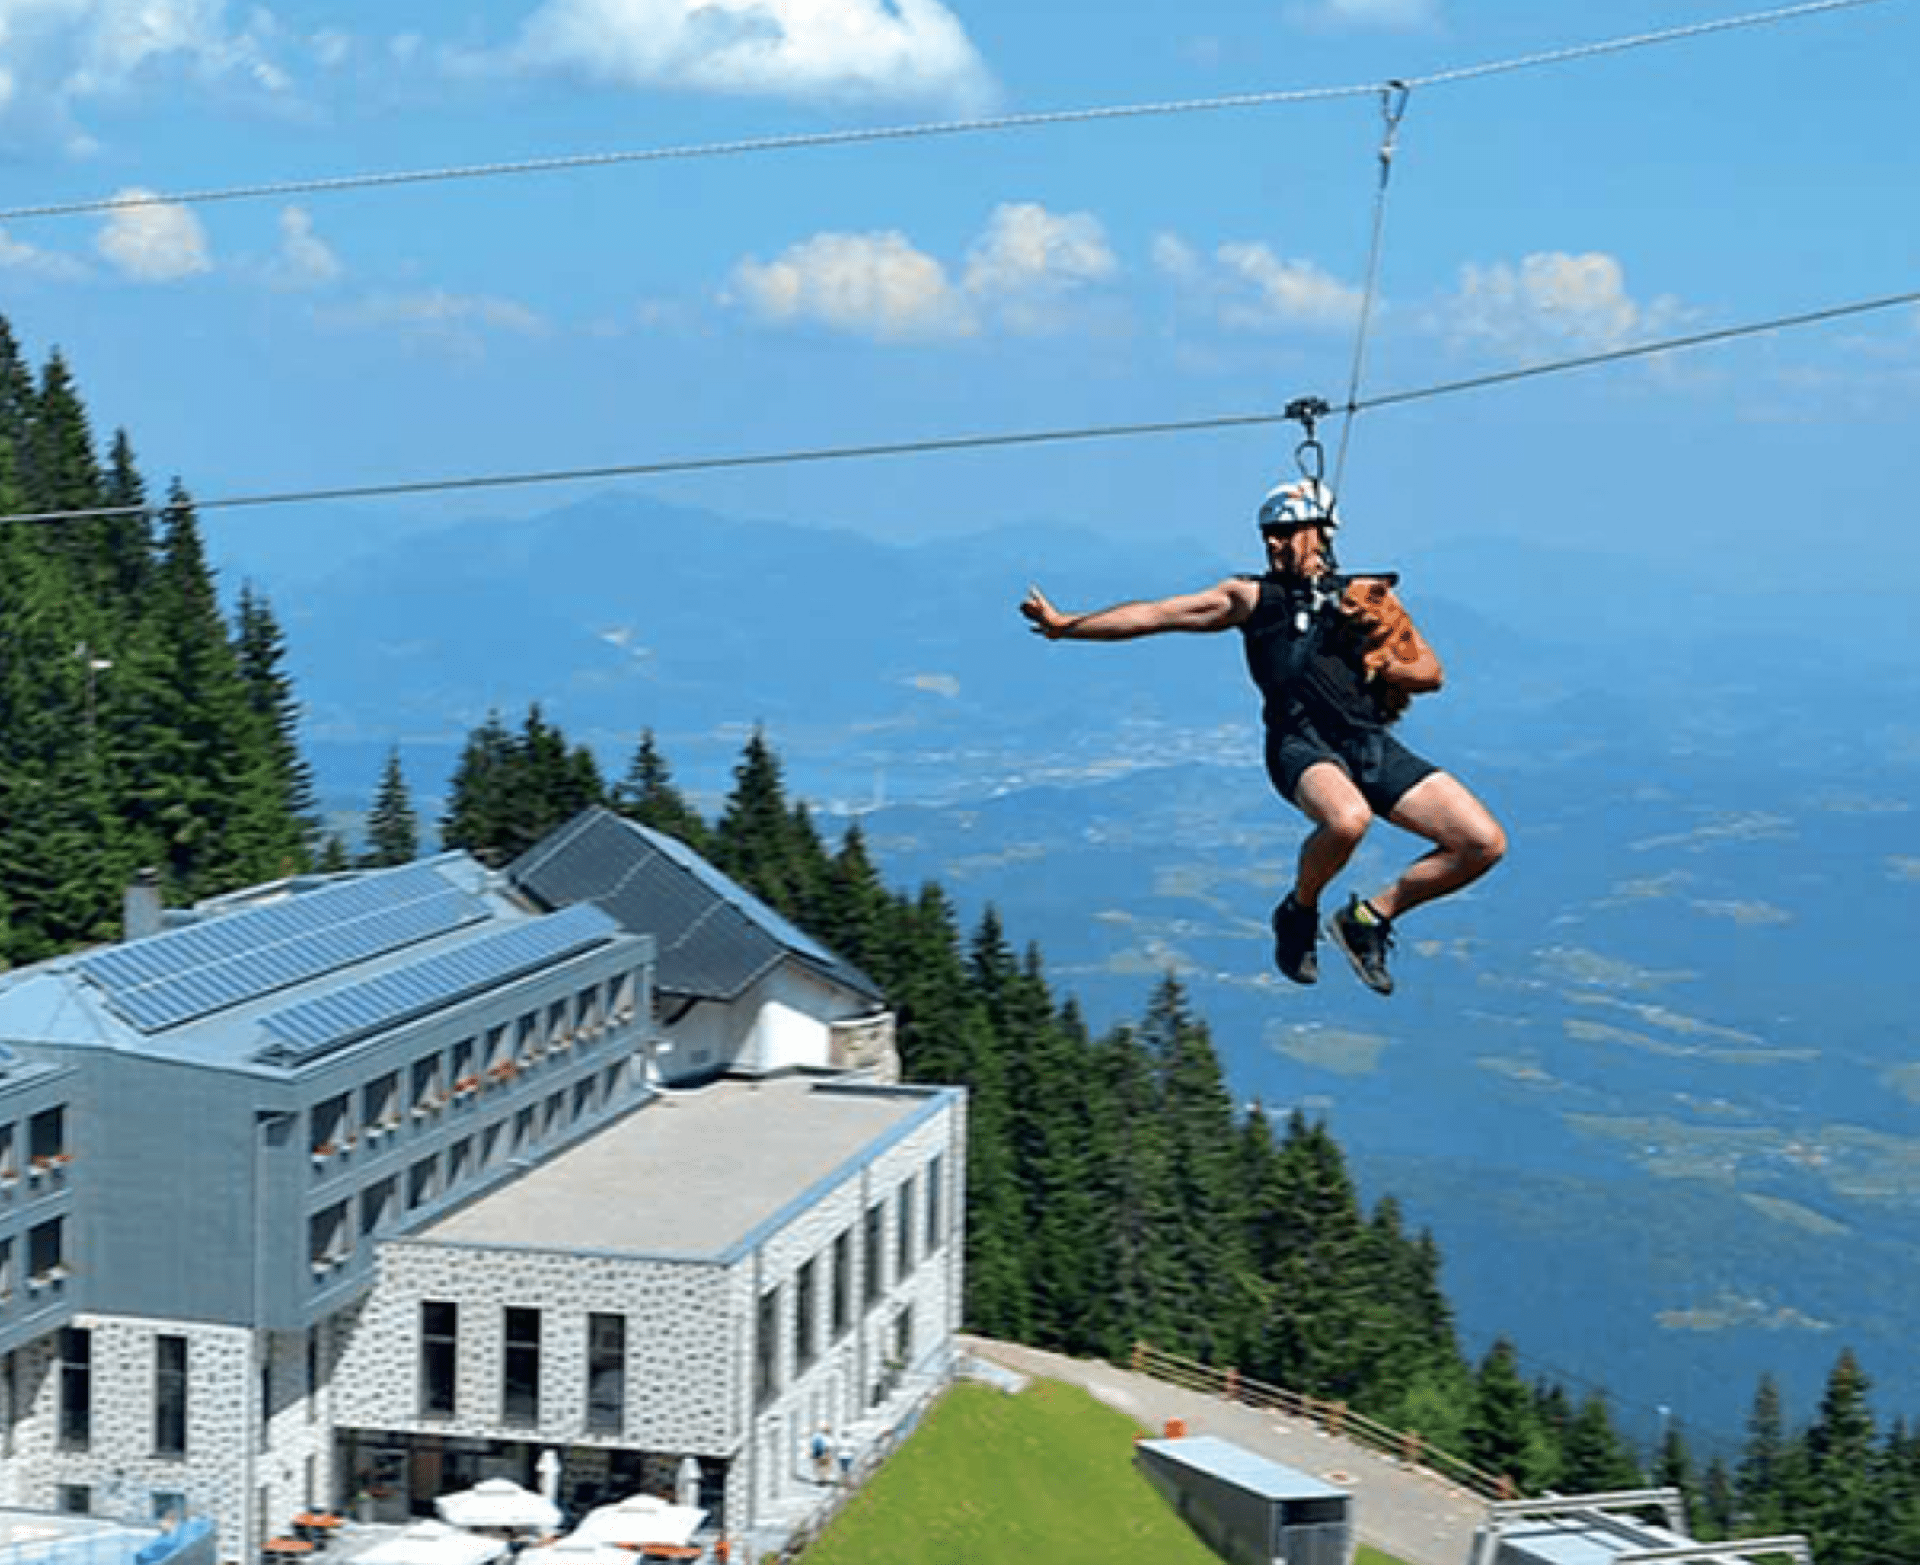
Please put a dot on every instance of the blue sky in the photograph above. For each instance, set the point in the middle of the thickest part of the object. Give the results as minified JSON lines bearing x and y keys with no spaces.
{"x":1157,"y":268}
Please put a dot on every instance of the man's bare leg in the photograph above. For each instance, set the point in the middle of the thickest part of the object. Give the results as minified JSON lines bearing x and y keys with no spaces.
{"x":1467,"y":841}
{"x":1327,"y":797}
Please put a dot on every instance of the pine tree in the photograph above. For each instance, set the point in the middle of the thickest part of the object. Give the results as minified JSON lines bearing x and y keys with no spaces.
{"x":480,"y":794}
{"x":1499,"y":1429}
{"x":393,"y":830}
{"x":1841,"y":1459}
{"x":260,"y":652}
{"x":333,"y":856}
{"x":1594,"y":1457}
{"x":1760,"y":1479}
{"x":647,"y":794}
{"x":1214,"y":1292}
{"x":755,"y":840}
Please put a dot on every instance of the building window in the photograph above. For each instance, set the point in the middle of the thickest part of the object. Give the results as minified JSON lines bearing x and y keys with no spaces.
{"x":10,"y":1390}
{"x":555,"y":1116}
{"x":560,"y":1026}
{"x":170,"y":1395}
{"x":842,"y":1283}
{"x":466,"y":1074}
{"x":523,"y":1130}
{"x":871,"y":1253}
{"x":169,"y":1506}
{"x":606,"y":1373}
{"x":380,"y":1105}
{"x":529,"y":1046}
{"x":625,"y":988}
{"x":490,"y":1138}
{"x":520,"y":1364}
{"x":6,"y":1270}
{"x":330,"y":1128}
{"x":377,"y":1204}
{"x":427,"y":1092}
{"x":806,"y":1311}
{"x":47,"y":1140}
{"x":903,"y":1338}
{"x":499,"y":1064}
{"x":9,"y":1158}
{"x":592,"y":1013}
{"x":313,"y":1374}
{"x":903,"y":1257}
{"x":439,"y":1357}
{"x":583,"y":1097}
{"x":423,"y":1183}
{"x":76,"y":1388}
{"x":766,"y":1348}
{"x":76,"y":1499}
{"x":46,"y":1252}
{"x":936,"y":1172}
{"x":459,"y":1161}
{"x":330,"y":1238}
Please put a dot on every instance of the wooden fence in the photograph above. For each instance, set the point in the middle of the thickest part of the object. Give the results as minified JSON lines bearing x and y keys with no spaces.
{"x":1336,"y":1418}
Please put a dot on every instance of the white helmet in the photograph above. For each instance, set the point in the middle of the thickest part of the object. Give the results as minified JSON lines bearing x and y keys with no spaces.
{"x":1306,"y":502}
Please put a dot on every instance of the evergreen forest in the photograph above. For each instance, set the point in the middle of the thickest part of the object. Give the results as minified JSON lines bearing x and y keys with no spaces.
{"x":1116,"y":1193}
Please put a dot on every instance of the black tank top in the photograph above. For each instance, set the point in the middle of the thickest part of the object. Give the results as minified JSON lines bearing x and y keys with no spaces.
{"x":1301,"y":655}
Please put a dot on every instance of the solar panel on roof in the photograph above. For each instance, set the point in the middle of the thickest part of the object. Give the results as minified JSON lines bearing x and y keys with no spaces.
{"x":320,"y":1025}
{"x":184,"y":974}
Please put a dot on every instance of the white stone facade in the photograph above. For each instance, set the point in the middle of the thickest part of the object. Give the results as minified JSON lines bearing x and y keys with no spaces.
{"x":691,"y":1328}
{"x":119,"y":1466}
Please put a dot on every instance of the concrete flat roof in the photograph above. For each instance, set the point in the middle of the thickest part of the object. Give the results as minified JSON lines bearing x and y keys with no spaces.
{"x":694,"y":1175}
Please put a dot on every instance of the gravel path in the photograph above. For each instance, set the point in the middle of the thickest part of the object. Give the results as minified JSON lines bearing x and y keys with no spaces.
{"x":1419,"y":1518}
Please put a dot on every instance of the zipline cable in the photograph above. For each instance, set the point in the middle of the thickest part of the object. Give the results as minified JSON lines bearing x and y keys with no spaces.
{"x":332,"y":184}
{"x":1394,"y":98}
{"x":980,"y":442}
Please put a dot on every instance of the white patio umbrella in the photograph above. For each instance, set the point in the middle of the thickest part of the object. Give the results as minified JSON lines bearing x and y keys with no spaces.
{"x":501,"y":1503}
{"x":575,"y":1550}
{"x":434,"y":1543}
{"x":641,"y":1520}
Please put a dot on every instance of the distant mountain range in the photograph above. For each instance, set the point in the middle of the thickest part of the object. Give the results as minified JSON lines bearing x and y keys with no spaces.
{"x":1656,"y":1086}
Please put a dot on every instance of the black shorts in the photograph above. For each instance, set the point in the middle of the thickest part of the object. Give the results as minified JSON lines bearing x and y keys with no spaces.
{"x":1380,"y":766}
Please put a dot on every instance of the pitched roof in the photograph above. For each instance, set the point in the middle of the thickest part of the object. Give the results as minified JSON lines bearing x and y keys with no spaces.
{"x":715,"y":938}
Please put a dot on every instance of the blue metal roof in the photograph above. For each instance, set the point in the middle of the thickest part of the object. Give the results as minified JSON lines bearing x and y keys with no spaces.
{"x":715,"y":937}
{"x":497,"y":944}
{"x":329,"y":1021}
{"x":1233,"y":1464}
{"x":184,"y":974}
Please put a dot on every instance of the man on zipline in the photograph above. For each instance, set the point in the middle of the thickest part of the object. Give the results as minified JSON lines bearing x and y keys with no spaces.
{"x":1336,"y":661}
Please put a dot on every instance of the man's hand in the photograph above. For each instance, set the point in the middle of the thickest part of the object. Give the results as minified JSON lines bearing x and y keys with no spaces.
{"x":1043,"y":618}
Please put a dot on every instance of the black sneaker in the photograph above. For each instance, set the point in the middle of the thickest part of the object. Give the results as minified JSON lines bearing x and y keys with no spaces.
{"x":1296,"y":931}
{"x":1366,"y":945}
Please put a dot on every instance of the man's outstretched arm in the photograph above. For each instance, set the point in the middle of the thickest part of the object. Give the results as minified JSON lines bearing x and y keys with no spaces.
{"x":1217,"y":608}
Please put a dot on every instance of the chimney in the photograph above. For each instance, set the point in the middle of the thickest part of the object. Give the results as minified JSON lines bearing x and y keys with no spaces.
{"x":140,"y":910}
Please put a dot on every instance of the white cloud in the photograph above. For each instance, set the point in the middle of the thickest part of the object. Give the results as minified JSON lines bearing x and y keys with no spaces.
{"x":1553,"y":302}
{"x":874,"y":285}
{"x":1286,"y":293}
{"x":305,"y":259}
{"x":864,"y":49}
{"x":1029,"y":262}
{"x":154,"y":244}
{"x":1025,"y":247}
{"x":62,"y":53}
{"x":1020,"y":274}
{"x":1248,"y":285}
{"x":19,"y":256}
{"x":1173,"y":257}
{"x":1381,"y":15}
{"x":434,"y":318}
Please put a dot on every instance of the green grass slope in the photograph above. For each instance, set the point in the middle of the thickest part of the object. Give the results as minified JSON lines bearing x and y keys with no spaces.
{"x":991,"y":1478}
